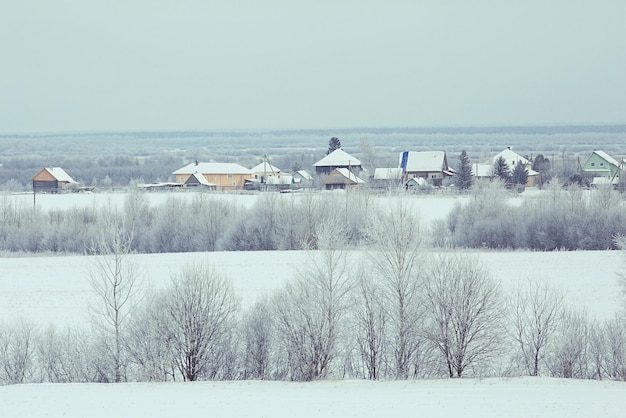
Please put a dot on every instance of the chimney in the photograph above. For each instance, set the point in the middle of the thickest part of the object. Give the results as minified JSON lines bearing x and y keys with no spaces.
{"x":196,"y":162}
{"x":509,"y":148}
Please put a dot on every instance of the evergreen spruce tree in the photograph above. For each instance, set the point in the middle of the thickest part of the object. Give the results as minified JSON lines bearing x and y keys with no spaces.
{"x":501,"y":170}
{"x":463,"y":176}
{"x":519,"y":177}
{"x":333,"y":144}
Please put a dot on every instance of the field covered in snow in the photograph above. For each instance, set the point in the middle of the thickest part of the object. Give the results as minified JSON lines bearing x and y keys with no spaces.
{"x":55,"y":290}
{"x":512,"y":398}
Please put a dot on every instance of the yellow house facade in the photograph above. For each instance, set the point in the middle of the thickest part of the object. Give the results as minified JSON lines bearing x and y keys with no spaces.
{"x":225,"y":176}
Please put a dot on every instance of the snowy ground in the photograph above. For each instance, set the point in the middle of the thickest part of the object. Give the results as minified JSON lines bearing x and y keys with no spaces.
{"x":518,"y":397}
{"x":55,"y":289}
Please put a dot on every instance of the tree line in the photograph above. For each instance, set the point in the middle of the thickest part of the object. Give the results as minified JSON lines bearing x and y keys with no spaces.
{"x":391,"y":310}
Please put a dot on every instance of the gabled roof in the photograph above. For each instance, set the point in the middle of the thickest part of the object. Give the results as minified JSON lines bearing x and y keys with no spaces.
{"x":426,"y":161}
{"x":345,"y":174}
{"x":391,"y":173}
{"x":59,"y":174}
{"x":511,"y":158}
{"x":338,"y":158}
{"x":606,"y":157}
{"x":200,"y":179}
{"x":304,"y":174}
{"x":265,"y":167}
{"x":212,"y":168}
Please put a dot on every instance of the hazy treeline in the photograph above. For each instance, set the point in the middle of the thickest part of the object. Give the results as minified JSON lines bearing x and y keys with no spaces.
{"x":117,"y":158}
{"x":208,"y":222}
{"x":388,"y":311}
{"x":557,"y":219}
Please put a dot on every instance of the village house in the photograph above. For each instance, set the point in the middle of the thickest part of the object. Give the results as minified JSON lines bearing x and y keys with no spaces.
{"x":604,"y":169}
{"x":341,"y":178}
{"x":52,"y":180}
{"x":224,"y":176}
{"x":338,"y":159}
{"x":431,"y":166}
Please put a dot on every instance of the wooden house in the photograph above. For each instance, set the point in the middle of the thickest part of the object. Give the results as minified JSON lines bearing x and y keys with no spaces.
{"x":431,"y":166}
{"x":602,"y":165}
{"x":338,"y":159}
{"x":341,"y":178}
{"x":52,"y":180}
{"x":265,"y":170}
{"x":225,"y":176}
{"x":512,"y":159}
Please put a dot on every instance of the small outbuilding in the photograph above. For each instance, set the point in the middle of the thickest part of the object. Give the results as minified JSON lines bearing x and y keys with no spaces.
{"x":51,"y":180}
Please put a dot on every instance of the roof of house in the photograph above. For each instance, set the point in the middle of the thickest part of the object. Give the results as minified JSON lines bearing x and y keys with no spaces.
{"x":304,"y":174}
{"x":59,"y":174}
{"x":338,"y":158}
{"x":265,"y":167}
{"x":482,"y":170}
{"x":426,"y":161}
{"x":511,"y":158}
{"x":200,"y":178}
{"x":390,"y":173}
{"x":212,"y":168}
{"x":345,"y":173}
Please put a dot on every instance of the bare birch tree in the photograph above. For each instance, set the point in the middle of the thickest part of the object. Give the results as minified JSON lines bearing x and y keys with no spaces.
{"x":310,"y":310}
{"x":115,"y":281}
{"x":395,"y":239}
{"x":465,"y":311}
{"x":199,"y":309}
{"x":535,"y":312}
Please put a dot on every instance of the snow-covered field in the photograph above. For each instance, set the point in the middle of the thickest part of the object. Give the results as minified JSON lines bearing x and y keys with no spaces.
{"x":55,"y":289}
{"x":512,"y":398}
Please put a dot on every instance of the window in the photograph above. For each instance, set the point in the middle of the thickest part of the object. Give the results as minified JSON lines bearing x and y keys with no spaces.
{"x":230,"y":176}
{"x":593,"y":164}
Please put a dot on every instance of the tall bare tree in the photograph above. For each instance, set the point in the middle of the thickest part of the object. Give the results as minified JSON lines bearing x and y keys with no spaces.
{"x":465,"y":311}
{"x":115,"y":280}
{"x":310,"y":310}
{"x":395,"y":240}
{"x":535,"y":312}
{"x":199,"y":312}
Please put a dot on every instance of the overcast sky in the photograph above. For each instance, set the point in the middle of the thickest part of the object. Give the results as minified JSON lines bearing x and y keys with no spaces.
{"x":169,"y":65}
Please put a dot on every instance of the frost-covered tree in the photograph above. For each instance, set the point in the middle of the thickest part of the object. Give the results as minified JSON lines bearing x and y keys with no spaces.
{"x":395,"y":239}
{"x":310,"y":310}
{"x":535,"y":312}
{"x":465,"y":311}
{"x":199,"y":308}
{"x":115,"y":281}
{"x":463,"y":177}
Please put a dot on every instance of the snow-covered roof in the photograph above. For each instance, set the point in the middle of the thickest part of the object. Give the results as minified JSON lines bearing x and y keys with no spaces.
{"x":59,"y":174}
{"x":349,"y":175}
{"x":607,"y":157}
{"x":390,"y":173}
{"x":597,"y":181}
{"x":282,"y":179}
{"x":425,"y":161}
{"x":212,"y":168}
{"x":201,"y":179}
{"x":304,"y":174}
{"x":511,"y":158}
{"x":486,"y":170}
{"x":265,"y":167}
{"x":338,"y":158}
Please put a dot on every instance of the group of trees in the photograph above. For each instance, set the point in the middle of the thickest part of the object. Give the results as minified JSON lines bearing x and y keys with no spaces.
{"x":389,"y":311}
{"x":559,"y":219}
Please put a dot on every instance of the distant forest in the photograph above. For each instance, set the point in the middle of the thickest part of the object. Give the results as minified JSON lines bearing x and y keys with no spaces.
{"x":116,"y":159}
